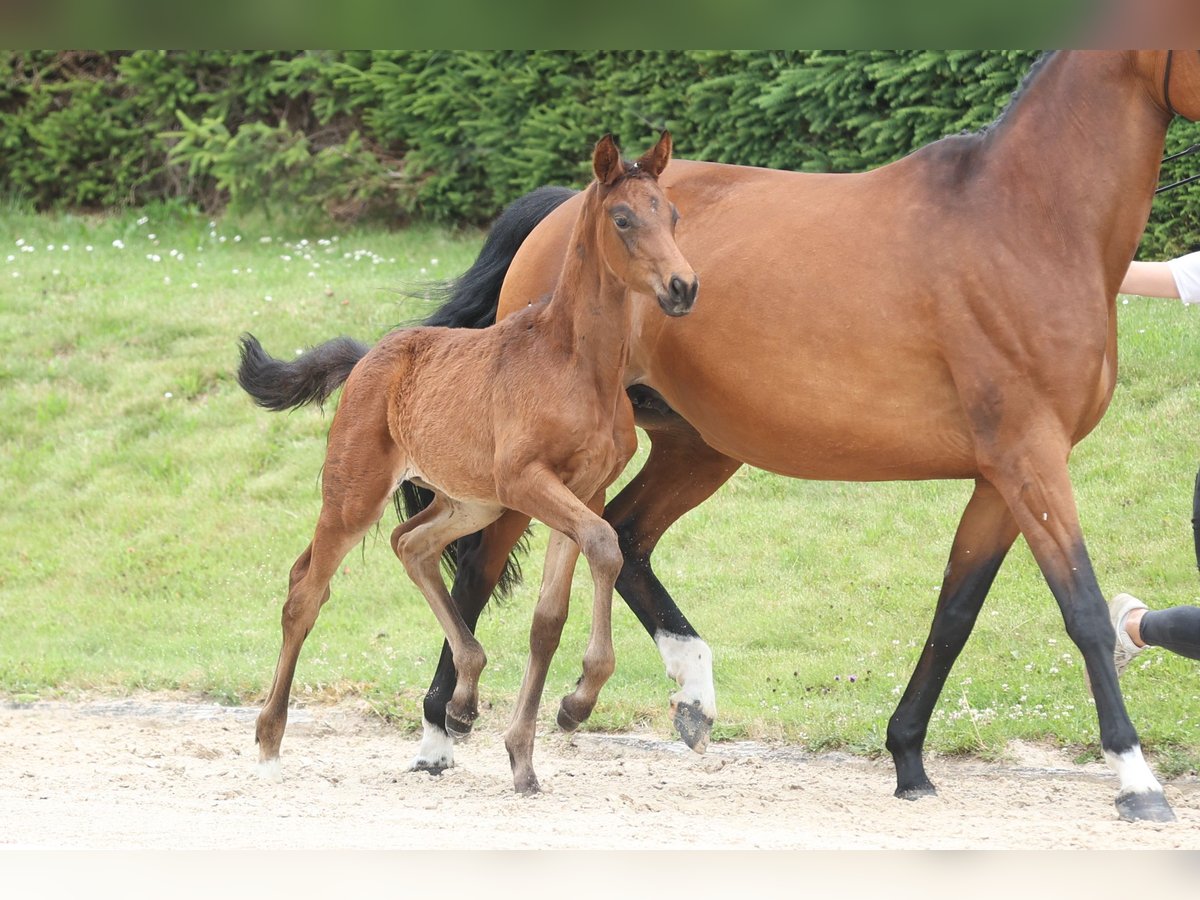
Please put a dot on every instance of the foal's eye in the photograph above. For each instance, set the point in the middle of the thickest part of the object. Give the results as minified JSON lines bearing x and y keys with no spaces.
{"x":621,"y":221}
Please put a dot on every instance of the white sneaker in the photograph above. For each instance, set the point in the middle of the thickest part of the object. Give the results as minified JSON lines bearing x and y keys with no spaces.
{"x":1124,"y":650}
{"x":1119,"y":608}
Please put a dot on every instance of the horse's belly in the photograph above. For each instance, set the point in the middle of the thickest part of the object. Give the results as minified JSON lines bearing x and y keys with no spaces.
{"x":804,"y":446}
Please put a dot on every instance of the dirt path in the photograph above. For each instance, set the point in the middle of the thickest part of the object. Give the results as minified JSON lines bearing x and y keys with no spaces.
{"x":154,"y":772}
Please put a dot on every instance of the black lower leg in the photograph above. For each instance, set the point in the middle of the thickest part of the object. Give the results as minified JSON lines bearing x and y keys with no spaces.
{"x":1176,"y":629}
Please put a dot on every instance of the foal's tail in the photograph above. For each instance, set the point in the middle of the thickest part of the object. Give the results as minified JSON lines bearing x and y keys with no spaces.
{"x":471,"y":301}
{"x":309,"y":378}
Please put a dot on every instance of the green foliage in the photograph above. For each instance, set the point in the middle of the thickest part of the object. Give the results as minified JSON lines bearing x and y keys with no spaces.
{"x":451,"y":136}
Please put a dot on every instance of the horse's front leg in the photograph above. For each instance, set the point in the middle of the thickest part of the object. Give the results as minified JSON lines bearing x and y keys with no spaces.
{"x":1037,"y":488}
{"x":419,"y":542}
{"x":680,"y":473}
{"x":545,"y":632}
{"x":481,"y":560}
{"x":598,"y":658}
{"x":985,"y":534}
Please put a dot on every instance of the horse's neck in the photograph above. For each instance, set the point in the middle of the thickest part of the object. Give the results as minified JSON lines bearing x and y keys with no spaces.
{"x":589,"y":314}
{"x":1085,"y":139}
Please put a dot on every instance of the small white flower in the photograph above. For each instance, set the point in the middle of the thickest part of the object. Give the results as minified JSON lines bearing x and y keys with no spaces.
{"x":433,"y":262}
{"x":267,"y":298}
{"x":237,"y":238}
{"x":66,"y":247}
{"x":20,"y":242}
{"x":142,"y":221}
{"x":151,"y":237}
{"x":168,"y":395}
{"x":166,"y":279}
{"x":195,"y":285}
{"x":119,"y":244}
{"x":50,"y":247}
{"x":89,"y":248}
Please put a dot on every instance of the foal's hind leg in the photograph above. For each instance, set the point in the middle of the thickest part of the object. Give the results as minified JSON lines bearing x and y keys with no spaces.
{"x":985,"y":534}
{"x":419,"y":543}
{"x":346,"y":516}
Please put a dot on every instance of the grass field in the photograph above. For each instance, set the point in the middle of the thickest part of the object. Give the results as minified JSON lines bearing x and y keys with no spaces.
{"x":151,"y":513}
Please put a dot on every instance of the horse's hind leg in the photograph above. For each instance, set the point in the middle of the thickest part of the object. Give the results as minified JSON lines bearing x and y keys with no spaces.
{"x":985,"y":534}
{"x":341,"y":526}
{"x":481,"y":560}
{"x":361,"y":466}
{"x":419,"y":543}
{"x":680,"y":473}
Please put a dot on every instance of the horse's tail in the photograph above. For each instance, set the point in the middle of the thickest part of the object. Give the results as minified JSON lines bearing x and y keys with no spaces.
{"x":309,"y":378}
{"x":471,"y":301}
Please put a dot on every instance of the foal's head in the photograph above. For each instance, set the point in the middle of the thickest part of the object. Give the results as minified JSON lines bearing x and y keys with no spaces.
{"x":634,"y":225}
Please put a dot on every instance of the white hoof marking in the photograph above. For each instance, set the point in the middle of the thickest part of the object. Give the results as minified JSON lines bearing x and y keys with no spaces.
{"x":270,"y":770}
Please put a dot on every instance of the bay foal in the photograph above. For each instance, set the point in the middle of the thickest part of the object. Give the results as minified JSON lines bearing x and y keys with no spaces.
{"x":528,"y":415}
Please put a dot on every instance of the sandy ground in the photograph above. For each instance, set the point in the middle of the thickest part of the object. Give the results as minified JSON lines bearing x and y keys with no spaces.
{"x":159,"y":772}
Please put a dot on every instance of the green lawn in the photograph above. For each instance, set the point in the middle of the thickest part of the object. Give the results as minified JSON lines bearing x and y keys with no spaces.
{"x":152,"y":512}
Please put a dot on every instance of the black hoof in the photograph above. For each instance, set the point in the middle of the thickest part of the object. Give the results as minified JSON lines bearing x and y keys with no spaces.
{"x":916,"y":792}
{"x":431,"y":768}
{"x":693,"y":725}
{"x":1150,"y":806}
{"x":565,"y":720}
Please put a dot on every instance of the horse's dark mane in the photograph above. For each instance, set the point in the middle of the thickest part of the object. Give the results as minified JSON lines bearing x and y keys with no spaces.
{"x":1034,"y":70}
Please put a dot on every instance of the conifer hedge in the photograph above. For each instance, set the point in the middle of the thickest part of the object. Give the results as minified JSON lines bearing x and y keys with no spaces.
{"x":451,"y":136}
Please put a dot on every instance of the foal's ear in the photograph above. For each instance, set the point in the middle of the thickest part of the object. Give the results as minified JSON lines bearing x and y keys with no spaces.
{"x":606,"y":160}
{"x":656,"y":158}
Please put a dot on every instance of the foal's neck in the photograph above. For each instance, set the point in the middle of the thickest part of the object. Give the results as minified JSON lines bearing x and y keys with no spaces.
{"x":588,"y":315}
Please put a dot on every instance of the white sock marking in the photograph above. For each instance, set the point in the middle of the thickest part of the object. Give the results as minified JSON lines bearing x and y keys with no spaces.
{"x":1135,"y":774}
{"x":436,"y":750}
{"x":689,"y":662}
{"x":270,"y":770}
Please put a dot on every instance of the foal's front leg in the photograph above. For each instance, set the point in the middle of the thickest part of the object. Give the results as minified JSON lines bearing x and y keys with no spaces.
{"x":549,"y":616}
{"x":574,"y":524}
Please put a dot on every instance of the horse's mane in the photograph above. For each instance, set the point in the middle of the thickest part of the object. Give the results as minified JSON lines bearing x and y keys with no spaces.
{"x":1034,"y":70}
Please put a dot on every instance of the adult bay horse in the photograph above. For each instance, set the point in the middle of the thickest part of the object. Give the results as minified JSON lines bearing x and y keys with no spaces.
{"x":529,"y":415}
{"x":950,"y":315}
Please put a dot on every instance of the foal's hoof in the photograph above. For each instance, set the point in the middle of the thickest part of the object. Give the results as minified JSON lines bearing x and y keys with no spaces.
{"x":917,"y":791}
{"x":270,"y":770}
{"x":566,"y":721}
{"x":459,"y":727}
{"x":1146,"y":806}
{"x":693,"y":725}
{"x":527,"y":786}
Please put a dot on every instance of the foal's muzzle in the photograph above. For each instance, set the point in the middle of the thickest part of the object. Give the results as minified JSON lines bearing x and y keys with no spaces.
{"x":680,"y":296}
